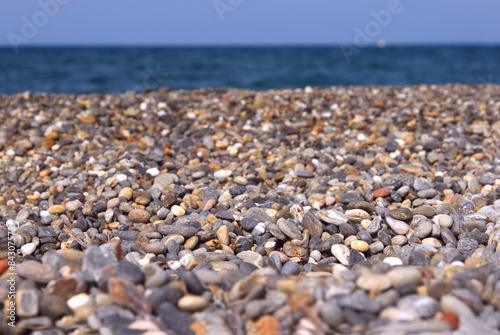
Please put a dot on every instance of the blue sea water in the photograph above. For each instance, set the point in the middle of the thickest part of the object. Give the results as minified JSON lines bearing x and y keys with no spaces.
{"x":105,"y":70}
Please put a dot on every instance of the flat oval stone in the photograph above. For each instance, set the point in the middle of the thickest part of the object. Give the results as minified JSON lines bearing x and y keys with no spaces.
{"x":373,"y":282}
{"x":38,"y":272}
{"x":360,"y":246}
{"x":139,"y":216}
{"x":398,"y":226}
{"x":57,"y":209}
{"x":312,"y":224}
{"x":467,"y":244}
{"x":178,"y":210}
{"x":333,"y":216}
{"x":192,"y":303}
{"x":425,"y":210}
{"x":404,"y":276}
{"x":351,"y":196}
{"x":403,"y":214}
{"x":357,"y":215}
{"x":126,"y":192}
{"x":296,"y":252}
{"x":251,"y":257}
{"x":424,"y":228}
{"x":289,"y":229}
{"x":341,"y":253}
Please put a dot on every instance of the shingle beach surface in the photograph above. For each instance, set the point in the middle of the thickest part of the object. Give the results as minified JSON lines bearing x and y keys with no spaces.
{"x":342,"y":210}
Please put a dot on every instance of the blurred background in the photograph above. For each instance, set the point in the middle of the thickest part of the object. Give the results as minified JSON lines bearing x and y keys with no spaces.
{"x":69,"y":46}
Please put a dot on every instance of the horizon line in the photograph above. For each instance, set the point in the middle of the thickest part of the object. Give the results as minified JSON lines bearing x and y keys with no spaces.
{"x":254,"y":45}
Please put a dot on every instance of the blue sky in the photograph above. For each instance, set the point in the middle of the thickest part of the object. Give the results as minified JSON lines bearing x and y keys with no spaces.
{"x":194,"y":22}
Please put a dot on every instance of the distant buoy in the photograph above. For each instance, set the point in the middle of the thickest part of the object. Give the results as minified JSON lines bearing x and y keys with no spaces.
{"x":381,"y":43}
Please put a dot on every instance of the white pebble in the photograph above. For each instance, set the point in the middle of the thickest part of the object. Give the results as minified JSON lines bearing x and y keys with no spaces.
{"x":78,"y":300}
{"x":121,"y":177}
{"x":153,"y":172}
{"x":28,"y":248}
{"x":174,"y":265}
{"x":393,"y":261}
{"x":185,"y":259}
{"x":222,"y":175}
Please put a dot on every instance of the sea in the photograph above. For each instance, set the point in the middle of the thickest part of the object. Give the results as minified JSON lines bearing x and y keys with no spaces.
{"x":120,"y":69}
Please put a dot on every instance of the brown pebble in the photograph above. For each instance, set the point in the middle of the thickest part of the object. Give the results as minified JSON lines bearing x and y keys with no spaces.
{"x":139,"y":216}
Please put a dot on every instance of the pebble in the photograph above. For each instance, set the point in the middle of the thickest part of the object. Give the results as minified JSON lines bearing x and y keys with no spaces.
{"x":341,"y":253}
{"x":139,"y":216}
{"x":178,"y":210}
{"x":360,"y":246}
{"x":398,"y":226}
{"x":57,"y":209}
{"x":28,"y":248}
{"x":192,"y":303}
{"x":357,"y":215}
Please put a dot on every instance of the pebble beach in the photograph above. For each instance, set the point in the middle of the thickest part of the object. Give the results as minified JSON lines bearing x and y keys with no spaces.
{"x":340,"y":210}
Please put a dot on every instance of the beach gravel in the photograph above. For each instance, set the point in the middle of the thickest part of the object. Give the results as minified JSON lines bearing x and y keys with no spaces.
{"x":340,"y":210}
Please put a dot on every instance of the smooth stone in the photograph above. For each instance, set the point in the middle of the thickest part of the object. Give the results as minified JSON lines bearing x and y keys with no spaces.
{"x":28,"y":248}
{"x":223,"y":235}
{"x":451,"y":304}
{"x":333,"y":216}
{"x":398,"y":226}
{"x":331,"y":313}
{"x":357,"y":215}
{"x":312,"y":224}
{"x":425,"y":307}
{"x":222,"y":175}
{"x":305,"y":174}
{"x":178,"y":322}
{"x":130,"y":272}
{"x":467,"y":244}
{"x":373,"y":282}
{"x":256,"y":308}
{"x":433,"y":242}
{"x":398,"y":314}
{"x":423,"y":229}
{"x":359,"y":301}
{"x":164,"y":180}
{"x":57,"y":209}
{"x":139,"y":216}
{"x":95,"y":259}
{"x":289,"y":229}
{"x":351,"y":196}
{"x":403,"y":214}
{"x":427,"y":194}
{"x":360,"y":246}
{"x":246,"y":268}
{"x":27,"y":302}
{"x":341,"y":253}
{"x":72,"y":206}
{"x":291,"y":268}
{"x":155,"y":248}
{"x":126,"y":192}
{"x":225,"y":215}
{"x":393,"y":261}
{"x":154,"y":275}
{"x":425,"y":210}
{"x":192,"y":303}
{"x":178,"y":210}
{"x":224,"y":266}
{"x":38,"y":272}
{"x":258,"y":214}
{"x":251,"y":257}
{"x":404,"y":276}
{"x":249,"y":224}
